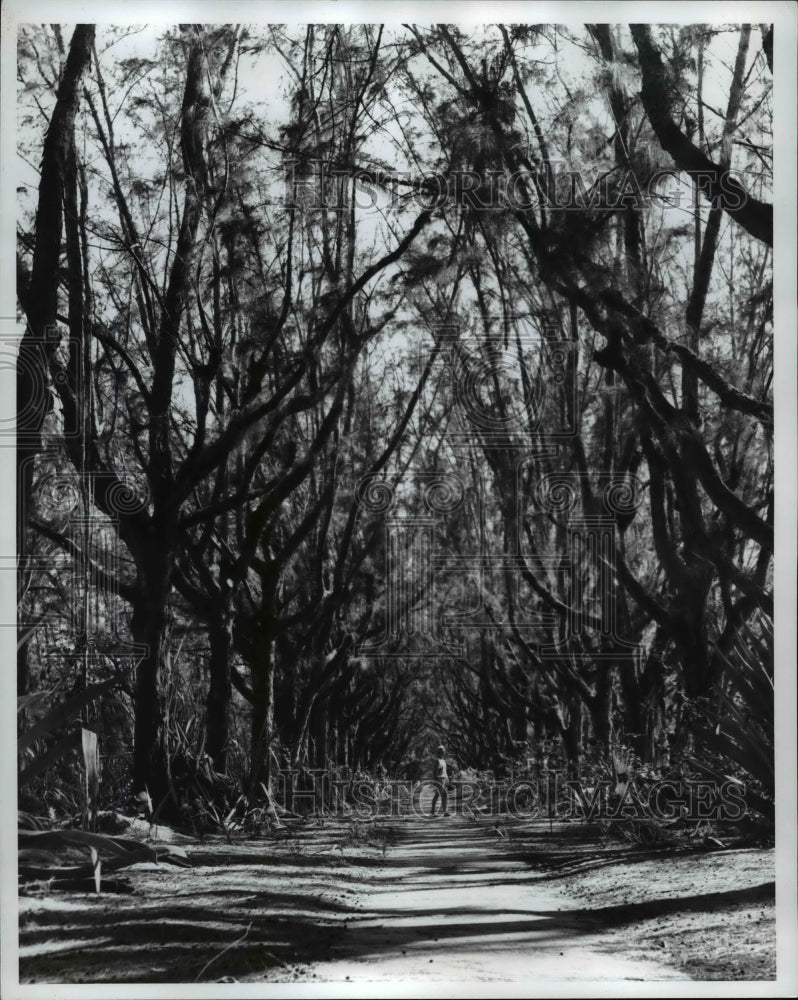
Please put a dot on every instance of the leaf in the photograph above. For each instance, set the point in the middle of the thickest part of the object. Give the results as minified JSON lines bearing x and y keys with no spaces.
{"x":38,"y":857}
{"x":26,"y":702}
{"x":30,"y":873}
{"x":30,"y":822}
{"x":174,"y":855}
{"x":96,"y":863}
{"x":91,"y":761}
{"x":60,"y":839}
{"x":27,"y":634}
{"x":61,"y":713}
{"x":45,"y":760}
{"x":43,"y":847}
{"x":144,"y":801}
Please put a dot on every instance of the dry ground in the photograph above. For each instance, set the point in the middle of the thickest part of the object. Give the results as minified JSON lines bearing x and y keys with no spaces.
{"x":444,"y":901}
{"x":709,"y":913}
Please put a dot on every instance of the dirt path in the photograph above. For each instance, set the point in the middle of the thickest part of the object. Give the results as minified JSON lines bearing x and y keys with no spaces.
{"x":447,"y":907}
{"x":447,"y":901}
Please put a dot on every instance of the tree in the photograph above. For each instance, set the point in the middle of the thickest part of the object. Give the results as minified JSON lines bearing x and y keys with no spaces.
{"x":38,"y":295}
{"x":384,"y":281}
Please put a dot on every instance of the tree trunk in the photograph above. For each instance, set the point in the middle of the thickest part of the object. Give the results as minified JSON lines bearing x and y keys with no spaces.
{"x":717,"y":185}
{"x":634,"y":715}
{"x":301,"y":728}
{"x":217,"y":706}
{"x":570,"y":737}
{"x":692,"y":640}
{"x":601,"y":706}
{"x":519,"y":724}
{"x":263,"y":668}
{"x":322,"y":735}
{"x":262,"y":714}
{"x":155,"y":560}
{"x":40,"y":299}
{"x":148,"y":628}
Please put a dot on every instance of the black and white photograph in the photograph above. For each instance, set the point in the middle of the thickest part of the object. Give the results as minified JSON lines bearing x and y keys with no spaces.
{"x":398,"y":419}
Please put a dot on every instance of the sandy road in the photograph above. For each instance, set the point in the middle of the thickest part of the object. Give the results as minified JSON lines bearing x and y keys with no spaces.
{"x":448,"y":907}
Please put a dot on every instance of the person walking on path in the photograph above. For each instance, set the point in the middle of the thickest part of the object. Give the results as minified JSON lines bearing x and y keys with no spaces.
{"x":440,"y":780}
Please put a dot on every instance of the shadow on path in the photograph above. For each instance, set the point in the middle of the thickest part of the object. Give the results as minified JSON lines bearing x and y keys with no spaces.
{"x":443,"y":904}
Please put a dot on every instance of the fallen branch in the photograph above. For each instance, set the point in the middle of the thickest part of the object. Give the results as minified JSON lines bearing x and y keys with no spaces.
{"x":226,"y":948}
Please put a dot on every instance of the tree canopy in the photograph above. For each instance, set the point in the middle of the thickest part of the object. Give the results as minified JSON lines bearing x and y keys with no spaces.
{"x":383,"y":384}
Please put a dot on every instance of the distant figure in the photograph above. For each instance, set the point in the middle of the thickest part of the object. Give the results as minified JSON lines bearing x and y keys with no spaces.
{"x":440,"y":777}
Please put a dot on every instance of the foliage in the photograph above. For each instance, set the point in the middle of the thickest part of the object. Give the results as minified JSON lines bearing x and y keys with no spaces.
{"x":43,"y":853}
{"x":736,"y":723}
{"x":284,"y":332}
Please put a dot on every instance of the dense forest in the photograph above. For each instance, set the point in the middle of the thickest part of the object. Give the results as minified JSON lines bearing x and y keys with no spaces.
{"x":387,"y":386}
